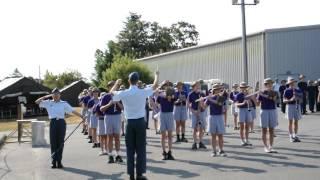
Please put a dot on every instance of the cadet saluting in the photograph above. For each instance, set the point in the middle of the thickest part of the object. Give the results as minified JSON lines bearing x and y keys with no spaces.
{"x":56,"y":109}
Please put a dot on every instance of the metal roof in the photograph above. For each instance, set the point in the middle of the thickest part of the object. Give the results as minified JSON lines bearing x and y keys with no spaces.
{"x":70,"y":85}
{"x":8,"y":82}
{"x":297,"y":28}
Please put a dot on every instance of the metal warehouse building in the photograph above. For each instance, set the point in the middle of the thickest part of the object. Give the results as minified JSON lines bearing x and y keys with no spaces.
{"x":275,"y":53}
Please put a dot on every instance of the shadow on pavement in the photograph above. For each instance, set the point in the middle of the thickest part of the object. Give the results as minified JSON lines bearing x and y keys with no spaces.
{"x":179,"y":173}
{"x":93,"y":174}
{"x":224,"y":168}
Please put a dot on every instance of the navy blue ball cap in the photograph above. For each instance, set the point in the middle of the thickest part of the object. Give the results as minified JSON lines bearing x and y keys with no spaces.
{"x":134,"y":76}
{"x":55,"y":91}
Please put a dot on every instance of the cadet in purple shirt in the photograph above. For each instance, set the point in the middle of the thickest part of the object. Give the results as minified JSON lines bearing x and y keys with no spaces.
{"x":93,"y":123}
{"x":166,"y":121}
{"x":216,"y":120}
{"x":112,"y":118}
{"x":101,"y":132}
{"x":234,"y":113}
{"x":268,"y":115}
{"x":245,"y":116}
{"x":180,"y":112}
{"x":293,"y":97}
{"x":198,"y":115}
{"x":85,"y":101}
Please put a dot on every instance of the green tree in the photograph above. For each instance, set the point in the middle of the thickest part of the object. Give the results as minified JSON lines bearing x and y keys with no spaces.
{"x":50,"y":80}
{"x":122,"y":67}
{"x":184,"y":35}
{"x":140,"y":38}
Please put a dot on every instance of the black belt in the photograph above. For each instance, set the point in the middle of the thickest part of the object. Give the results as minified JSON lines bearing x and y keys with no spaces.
{"x":142,"y":118}
{"x":101,"y":118}
{"x":292,"y":102}
{"x":53,"y":119}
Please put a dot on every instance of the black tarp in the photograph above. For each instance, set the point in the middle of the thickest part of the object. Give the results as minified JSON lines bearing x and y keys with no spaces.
{"x":11,"y":88}
{"x":71,"y":92}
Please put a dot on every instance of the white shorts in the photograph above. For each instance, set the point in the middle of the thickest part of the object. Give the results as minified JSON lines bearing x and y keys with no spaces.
{"x":180,"y":113}
{"x":293,"y":112}
{"x":113,"y":124}
{"x":166,"y":121}
{"x":245,"y":116}
{"x":201,"y":120}
{"x":234,"y":110}
{"x":216,"y":124}
{"x":268,"y":118}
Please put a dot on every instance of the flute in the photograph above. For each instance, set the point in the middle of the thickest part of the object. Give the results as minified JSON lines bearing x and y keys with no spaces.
{"x":295,"y":99}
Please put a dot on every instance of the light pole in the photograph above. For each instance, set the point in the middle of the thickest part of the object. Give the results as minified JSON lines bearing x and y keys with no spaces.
{"x":244,"y":35}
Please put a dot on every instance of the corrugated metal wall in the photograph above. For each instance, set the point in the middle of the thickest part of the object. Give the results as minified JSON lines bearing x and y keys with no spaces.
{"x":217,"y":61}
{"x":296,"y":50}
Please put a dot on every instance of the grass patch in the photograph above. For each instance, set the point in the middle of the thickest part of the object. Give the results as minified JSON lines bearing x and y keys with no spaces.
{"x":10,"y":125}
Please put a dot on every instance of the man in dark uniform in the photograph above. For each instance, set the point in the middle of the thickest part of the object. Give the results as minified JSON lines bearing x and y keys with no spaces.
{"x":56,"y":109}
{"x":282,"y":88}
{"x":303,"y":87}
{"x":134,"y":100}
{"x":312,"y":95}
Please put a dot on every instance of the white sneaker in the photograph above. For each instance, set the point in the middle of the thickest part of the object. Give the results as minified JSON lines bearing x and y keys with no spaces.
{"x":292,"y":139}
{"x":248,"y":143}
{"x":214,"y":154}
{"x":267,"y":150}
{"x":243,"y":143}
{"x":273,"y":150}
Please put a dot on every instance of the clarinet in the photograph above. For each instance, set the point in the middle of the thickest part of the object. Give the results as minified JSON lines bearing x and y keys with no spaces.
{"x":199,"y":110}
{"x":295,"y":99}
{"x":114,"y":107}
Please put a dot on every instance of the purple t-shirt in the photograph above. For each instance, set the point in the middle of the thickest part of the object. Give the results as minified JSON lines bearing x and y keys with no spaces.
{"x":288,"y":94}
{"x":96,"y":110}
{"x":233,"y":95}
{"x":266,"y":103}
{"x":85,"y":100}
{"x":111,"y":110}
{"x":215,"y":109}
{"x":183,"y":94}
{"x":92,"y":102}
{"x":166,"y":105}
{"x":239,"y":98}
{"x":192,"y":97}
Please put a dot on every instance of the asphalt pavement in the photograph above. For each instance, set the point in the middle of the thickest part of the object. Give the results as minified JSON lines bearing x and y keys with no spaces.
{"x":294,"y":161}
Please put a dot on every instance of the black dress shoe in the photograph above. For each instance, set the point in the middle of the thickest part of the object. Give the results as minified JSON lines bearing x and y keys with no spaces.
{"x":142,"y":178}
{"x":54,"y":165}
{"x":132,"y":177}
{"x":60,"y":166}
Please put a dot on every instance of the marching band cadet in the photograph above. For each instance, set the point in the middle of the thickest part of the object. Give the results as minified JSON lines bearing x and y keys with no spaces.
{"x":84,"y":101}
{"x":225,"y":104}
{"x":155,"y":112}
{"x":245,"y":116}
{"x":112,"y":118}
{"x":81,"y":96}
{"x":180,"y":112}
{"x":234,"y":113}
{"x":123,"y":119}
{"x":216,"y":120}
{"x":101,"y":132}
{"x":293,"y":97}
{"x":93,"y":118}
{"x":268,"y":114}
{"x":166,"y":121}
{"x":87,"y":121}
{"x":197,"y":115}
{"x":253,"y":104}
